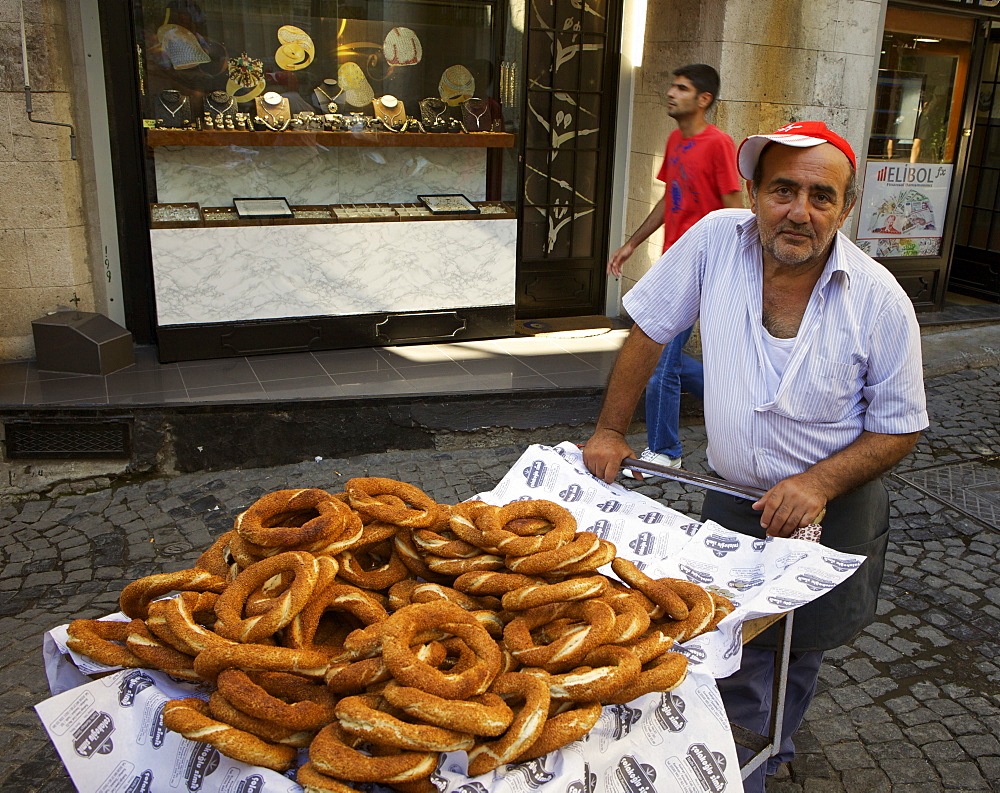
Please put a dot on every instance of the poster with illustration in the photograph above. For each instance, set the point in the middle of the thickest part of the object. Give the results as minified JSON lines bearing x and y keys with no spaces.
{"x":903,"y":207}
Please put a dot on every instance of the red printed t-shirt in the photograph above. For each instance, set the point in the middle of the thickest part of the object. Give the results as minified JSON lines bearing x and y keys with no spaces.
{"x":697,"y":171}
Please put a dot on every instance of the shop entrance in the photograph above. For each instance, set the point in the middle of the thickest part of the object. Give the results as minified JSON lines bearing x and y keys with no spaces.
{"x":975,"y":268}
{"x":568,"y":143}
{"x":917,"y":149}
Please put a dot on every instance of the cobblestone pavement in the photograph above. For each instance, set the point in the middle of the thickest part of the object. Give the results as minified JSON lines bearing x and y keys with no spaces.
{"x":911,"y":706}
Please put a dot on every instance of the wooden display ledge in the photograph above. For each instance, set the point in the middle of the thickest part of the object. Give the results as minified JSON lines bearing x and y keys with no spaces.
{"x":185,"y":137}
{"x":758,"y":625}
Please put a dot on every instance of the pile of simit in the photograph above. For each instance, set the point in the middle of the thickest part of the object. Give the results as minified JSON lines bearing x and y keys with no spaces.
{"x":378,"y":628}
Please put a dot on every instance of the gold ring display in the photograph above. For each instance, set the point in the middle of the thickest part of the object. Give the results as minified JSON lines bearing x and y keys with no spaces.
{"x":233,"y":87}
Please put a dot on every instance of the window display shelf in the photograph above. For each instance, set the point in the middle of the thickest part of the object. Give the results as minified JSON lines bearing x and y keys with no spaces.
{"x":190,"y":215}
{"x":185,"y":137}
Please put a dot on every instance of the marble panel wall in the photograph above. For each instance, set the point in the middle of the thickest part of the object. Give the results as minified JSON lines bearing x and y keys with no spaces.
{"x":265,"y":272}
{"x":214,"y":175}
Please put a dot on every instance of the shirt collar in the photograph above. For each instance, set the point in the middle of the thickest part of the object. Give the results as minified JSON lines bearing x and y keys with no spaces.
{"x":748,"y":235}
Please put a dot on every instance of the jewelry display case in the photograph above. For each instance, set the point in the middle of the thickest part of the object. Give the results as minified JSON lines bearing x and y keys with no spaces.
{"x":349,"y":111}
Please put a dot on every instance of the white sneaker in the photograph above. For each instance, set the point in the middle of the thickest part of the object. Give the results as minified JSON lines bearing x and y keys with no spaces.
{"x":649,"y":456}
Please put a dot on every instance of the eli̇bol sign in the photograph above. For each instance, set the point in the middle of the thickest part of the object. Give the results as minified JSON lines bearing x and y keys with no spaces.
{"x":986,"y":7}
{"x":903,"y":209}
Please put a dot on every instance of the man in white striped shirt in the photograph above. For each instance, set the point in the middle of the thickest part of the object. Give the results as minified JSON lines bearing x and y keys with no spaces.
{"x":813,"y":385}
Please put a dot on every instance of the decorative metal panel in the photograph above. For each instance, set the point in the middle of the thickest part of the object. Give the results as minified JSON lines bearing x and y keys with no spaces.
{"x":572,"y":58}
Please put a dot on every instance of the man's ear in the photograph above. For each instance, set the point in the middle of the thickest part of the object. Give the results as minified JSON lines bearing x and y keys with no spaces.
{"x":847,"y":212}
{"x":704,"y":100}
{"x":753,"y":196}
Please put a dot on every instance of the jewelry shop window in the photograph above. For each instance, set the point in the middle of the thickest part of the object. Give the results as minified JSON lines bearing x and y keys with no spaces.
{"x":287,"y":141}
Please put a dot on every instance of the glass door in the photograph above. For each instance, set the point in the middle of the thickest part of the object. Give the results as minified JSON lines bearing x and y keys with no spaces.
{"x":975,"y":269}
{"x":915,"y":145}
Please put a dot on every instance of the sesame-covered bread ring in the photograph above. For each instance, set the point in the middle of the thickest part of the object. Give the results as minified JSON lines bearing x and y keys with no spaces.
{"x":556,"y":528}
{"x":401,"y":593}
{"x":723,"y":608}
{"x":359,"y":607}
{"x":563,"y":729}
{"x":663,"y":673}
{"x":190,"y":717}
{"x":347,"y":539}
{"x":456,"y":567}
{"x":222,"y":709}
{"x":354,"y":677}
{"x":652,"y":644}
{"x":230,"y":606}
{"x":372,"y":567}
{"x":568,"y":650}
{"x":333,"y":753}
{"x":427,"y":593}
{"x":586,"y":543}
{"x":398,"y":633}
{"x":217,"y":559}
{"x":262,"y":599}
{"x":657,"y":591}
{"x":413,"y":558}
{"x":291,"y":518}
{"x":420,"y":786}
{"x":178,"y":620}
{"x":260,"y":658}
{"x":465,"y":522}
{"x":700,"y":605}
{"x":314,"y":781}
{"x":528,"y":597}
{"x":444,"y":545}
{"x":485,"y":715}
{"x":631,"y":618}
{"x":286,"y":700}
{"x":603,"y":554}
{"x":136,"y":597}
{"x":366,"y":717}
{"x":422,"y":513}
{"x":488,"y":582}
{"x":102,"y":640}
{"x":603,"y":672}
{"x":525,"y":728}
{"x":156,"y":654}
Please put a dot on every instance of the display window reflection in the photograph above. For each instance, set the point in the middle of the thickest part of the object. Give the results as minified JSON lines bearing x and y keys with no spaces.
{"x":923,"y":66}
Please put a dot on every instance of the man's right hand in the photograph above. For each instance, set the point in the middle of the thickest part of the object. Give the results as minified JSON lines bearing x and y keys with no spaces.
{"x":604,"y":453}
{"x":618,"y":258}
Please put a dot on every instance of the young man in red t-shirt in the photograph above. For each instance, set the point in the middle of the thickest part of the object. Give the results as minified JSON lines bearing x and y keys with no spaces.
{"x":699,"y":176}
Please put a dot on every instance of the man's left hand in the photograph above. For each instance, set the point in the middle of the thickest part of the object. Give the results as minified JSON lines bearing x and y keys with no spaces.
{"x":792,"y":503}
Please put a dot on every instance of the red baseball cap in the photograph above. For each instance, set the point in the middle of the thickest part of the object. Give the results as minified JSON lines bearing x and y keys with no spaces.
{"x":801,"y":134}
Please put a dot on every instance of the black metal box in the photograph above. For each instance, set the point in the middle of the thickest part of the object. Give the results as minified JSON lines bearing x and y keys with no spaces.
{"x":81,"y":342}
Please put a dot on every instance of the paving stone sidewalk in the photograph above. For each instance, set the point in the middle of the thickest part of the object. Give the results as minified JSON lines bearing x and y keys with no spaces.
{"x":911,"y":706}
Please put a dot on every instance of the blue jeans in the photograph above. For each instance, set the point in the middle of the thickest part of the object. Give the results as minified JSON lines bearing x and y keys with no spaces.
{"x":747,"y":696}
{"x":674,"y":372}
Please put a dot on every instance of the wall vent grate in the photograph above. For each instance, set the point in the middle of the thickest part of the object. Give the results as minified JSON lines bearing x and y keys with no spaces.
{"x":67,"y":440}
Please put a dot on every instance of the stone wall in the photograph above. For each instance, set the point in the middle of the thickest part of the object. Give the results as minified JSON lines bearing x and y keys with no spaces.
{"x":43,"y":238}
{"x":780,"y":60}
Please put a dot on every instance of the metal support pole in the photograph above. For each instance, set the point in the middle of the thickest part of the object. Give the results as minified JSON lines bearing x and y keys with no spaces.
{"x":769,"y":745}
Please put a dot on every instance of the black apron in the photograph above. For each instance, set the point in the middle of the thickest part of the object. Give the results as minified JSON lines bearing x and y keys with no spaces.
{"x":854,"y":523}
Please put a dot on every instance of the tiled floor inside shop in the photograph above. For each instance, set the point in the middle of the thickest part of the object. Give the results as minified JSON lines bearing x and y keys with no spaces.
{"x":520,"y":363}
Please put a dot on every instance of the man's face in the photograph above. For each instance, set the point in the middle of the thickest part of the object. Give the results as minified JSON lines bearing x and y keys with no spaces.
{"x":683,"y":98}
{"x":800,"y":202}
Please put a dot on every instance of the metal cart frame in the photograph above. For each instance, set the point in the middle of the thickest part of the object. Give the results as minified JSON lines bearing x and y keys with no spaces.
{"x":762,"y":746}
